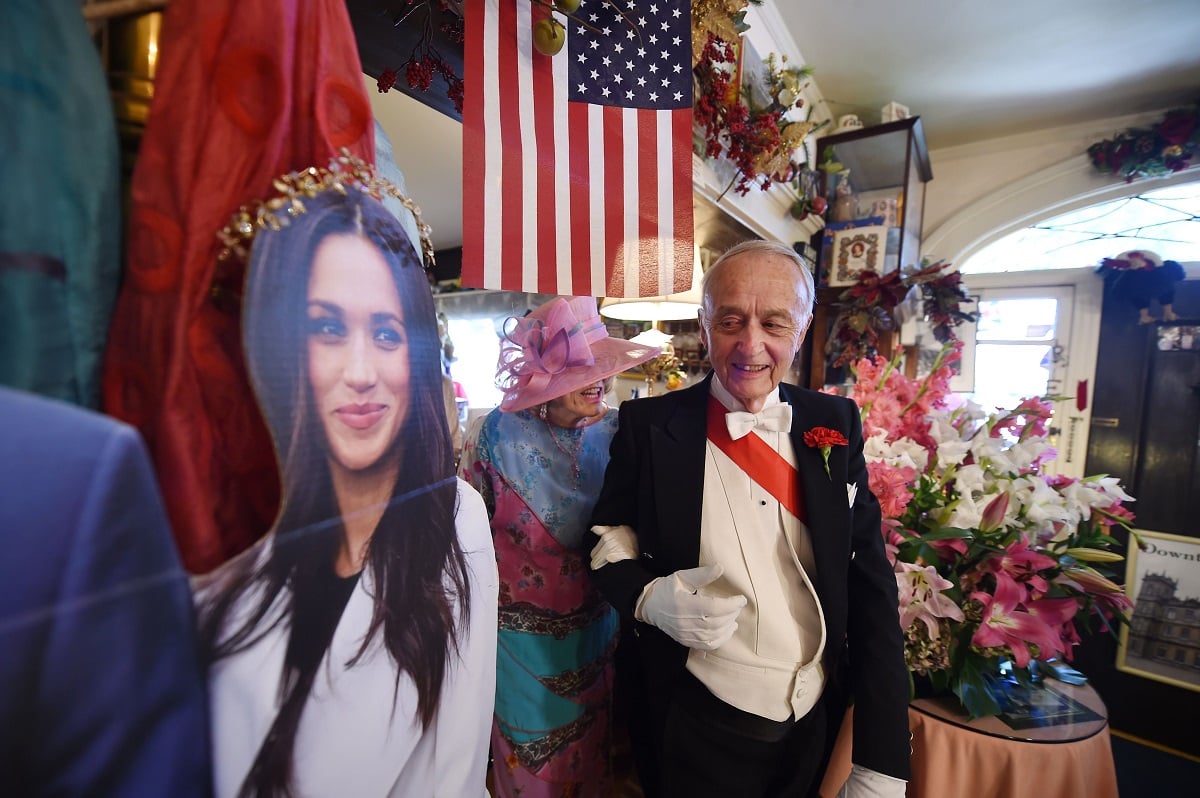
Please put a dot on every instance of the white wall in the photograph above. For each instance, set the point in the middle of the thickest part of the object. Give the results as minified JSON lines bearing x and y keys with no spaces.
{"x":986,"y":190}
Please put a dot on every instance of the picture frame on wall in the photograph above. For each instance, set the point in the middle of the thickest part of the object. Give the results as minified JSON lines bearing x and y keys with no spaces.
{"x":857,"y":249}
{"x":1162,"y":640}
{"x":916,"y":335}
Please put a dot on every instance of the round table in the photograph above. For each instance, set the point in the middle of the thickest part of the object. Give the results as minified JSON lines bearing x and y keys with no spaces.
{"x":954,"y":756}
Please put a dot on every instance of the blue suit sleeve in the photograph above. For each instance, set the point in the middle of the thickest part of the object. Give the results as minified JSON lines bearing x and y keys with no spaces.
{"x":121,"y":706}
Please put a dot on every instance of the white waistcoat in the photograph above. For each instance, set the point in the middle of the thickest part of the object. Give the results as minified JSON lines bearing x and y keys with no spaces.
{"x":771,"y":666}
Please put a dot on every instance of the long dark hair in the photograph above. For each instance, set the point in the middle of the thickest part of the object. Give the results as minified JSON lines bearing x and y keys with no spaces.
{"x":414,"y":557}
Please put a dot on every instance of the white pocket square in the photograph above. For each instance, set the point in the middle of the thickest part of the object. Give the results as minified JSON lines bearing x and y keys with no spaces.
{"x":851,"y":492}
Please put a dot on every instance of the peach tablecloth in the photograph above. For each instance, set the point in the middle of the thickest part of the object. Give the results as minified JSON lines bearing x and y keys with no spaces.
{"x":956,"y":759}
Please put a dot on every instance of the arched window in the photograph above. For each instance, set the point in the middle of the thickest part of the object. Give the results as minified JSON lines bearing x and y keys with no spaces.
{"x":1165,"y":221}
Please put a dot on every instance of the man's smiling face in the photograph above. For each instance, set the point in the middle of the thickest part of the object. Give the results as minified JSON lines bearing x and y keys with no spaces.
{"x":753,"y":324}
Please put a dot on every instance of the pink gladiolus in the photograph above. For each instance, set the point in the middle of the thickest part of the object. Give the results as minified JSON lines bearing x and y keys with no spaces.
{"x":890,"y":486}
{"x":1028,"y":419}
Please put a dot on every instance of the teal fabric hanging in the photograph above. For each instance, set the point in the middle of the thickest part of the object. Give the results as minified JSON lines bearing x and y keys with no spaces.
{"x":60,"y":213}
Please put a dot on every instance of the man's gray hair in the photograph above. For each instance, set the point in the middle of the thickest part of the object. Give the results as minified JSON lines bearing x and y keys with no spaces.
{"x":757,"y":246}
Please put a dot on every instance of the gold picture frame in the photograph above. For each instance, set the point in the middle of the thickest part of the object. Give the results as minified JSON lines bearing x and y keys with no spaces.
{"x":1162,"y":640}
{"x":856,"y":249}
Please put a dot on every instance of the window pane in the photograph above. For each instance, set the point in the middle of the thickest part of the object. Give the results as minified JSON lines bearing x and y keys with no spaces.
{"x":476,"y":350}
{"x":1006,"y":374}
{"x":1165,"y":221}
{"x":1017,"y":319}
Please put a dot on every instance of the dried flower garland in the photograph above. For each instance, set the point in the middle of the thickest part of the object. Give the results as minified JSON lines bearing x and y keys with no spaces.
{"x":425,"y":61}
{"x":868,"y":307}
{"x":759,"y":139}
{"x":1169,"y":146}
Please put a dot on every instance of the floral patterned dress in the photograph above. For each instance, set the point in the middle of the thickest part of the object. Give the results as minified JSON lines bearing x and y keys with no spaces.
{"x":551,"y":732}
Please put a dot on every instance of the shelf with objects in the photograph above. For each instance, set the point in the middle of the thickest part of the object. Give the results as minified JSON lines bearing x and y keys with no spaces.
{"x":874,"y":181}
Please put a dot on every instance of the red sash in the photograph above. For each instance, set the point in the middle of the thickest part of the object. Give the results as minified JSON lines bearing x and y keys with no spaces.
{"x":755,"y":456}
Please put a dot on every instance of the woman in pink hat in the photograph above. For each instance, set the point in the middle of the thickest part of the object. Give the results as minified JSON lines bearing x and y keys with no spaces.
{"x":539,"y":461}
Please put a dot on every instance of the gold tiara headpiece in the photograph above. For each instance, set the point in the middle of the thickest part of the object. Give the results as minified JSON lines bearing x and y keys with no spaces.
{"x":345,"y":173}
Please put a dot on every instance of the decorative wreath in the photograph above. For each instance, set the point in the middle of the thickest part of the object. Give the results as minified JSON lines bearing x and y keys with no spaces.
{"x":1169,"y":146}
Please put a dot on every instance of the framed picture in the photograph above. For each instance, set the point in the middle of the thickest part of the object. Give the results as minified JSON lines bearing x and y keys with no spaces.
{"x":1162,"y":640}
{"x":916,"y":334}
{"x":751,"y":73}
{"x":1177,"y":337}
{"x":856,"y":249}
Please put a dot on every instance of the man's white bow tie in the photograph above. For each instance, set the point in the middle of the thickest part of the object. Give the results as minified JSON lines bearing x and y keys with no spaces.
{"x":776,"y":417}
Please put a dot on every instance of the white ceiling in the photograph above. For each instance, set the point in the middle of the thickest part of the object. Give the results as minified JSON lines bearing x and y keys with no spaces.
{"x":981,"y":69}
{"x":972,"y":70}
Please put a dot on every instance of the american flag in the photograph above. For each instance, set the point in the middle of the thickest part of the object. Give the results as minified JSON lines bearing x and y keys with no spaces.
{"x":577,"y":167}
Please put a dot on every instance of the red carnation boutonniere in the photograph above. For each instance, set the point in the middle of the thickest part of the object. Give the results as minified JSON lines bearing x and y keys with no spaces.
{"x":825,"y":439}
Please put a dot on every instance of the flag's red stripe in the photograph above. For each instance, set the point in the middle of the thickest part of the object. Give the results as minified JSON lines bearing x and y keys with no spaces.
{"x":648,"y":199}
{"x":499,"y":225}
{"x":614,"y":178}
{"x":580,"y":221}
{"x":681,"y":138}
{"x":473,"y":155}
{"x":544,"y":109}
{"x":510,"y":136}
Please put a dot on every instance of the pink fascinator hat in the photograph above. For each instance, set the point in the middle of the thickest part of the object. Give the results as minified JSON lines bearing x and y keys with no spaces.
{"x":560,"y":347}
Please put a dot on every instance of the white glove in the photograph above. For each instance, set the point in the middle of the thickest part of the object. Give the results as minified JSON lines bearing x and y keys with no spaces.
{"x":866,"y":783}
{"x":616,"y":543}
{"x":692,"y":617}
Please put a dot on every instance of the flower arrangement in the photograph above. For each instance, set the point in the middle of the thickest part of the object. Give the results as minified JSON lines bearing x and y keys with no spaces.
{"x":868,"y":308}
{"x":995,"y":560}
{"x":1169,"y":146}
{"x":759,"y":139}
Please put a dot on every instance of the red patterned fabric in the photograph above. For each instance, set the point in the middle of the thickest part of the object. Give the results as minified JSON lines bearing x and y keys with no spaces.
{"x":244,"y":92}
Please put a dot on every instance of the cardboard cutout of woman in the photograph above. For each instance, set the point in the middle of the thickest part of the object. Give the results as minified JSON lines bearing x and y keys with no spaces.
{"x":352,"y":651}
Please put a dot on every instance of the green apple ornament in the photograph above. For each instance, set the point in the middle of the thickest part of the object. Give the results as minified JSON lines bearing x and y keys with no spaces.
{"x":549,"y":36}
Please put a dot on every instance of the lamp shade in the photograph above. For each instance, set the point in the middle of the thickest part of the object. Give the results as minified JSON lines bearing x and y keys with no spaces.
{"x":670,"y":307}
{"x":652,"y":308}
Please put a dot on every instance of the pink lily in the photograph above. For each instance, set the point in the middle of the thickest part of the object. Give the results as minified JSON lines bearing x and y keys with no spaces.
{"x":1022,"y":564}
{"x":1005,"y":625}
{"x":993,"y":514}
{"x":921,"y":597}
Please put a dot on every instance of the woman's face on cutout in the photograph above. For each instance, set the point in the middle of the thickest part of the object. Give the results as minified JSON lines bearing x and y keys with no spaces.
{"x":358,"y":351}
